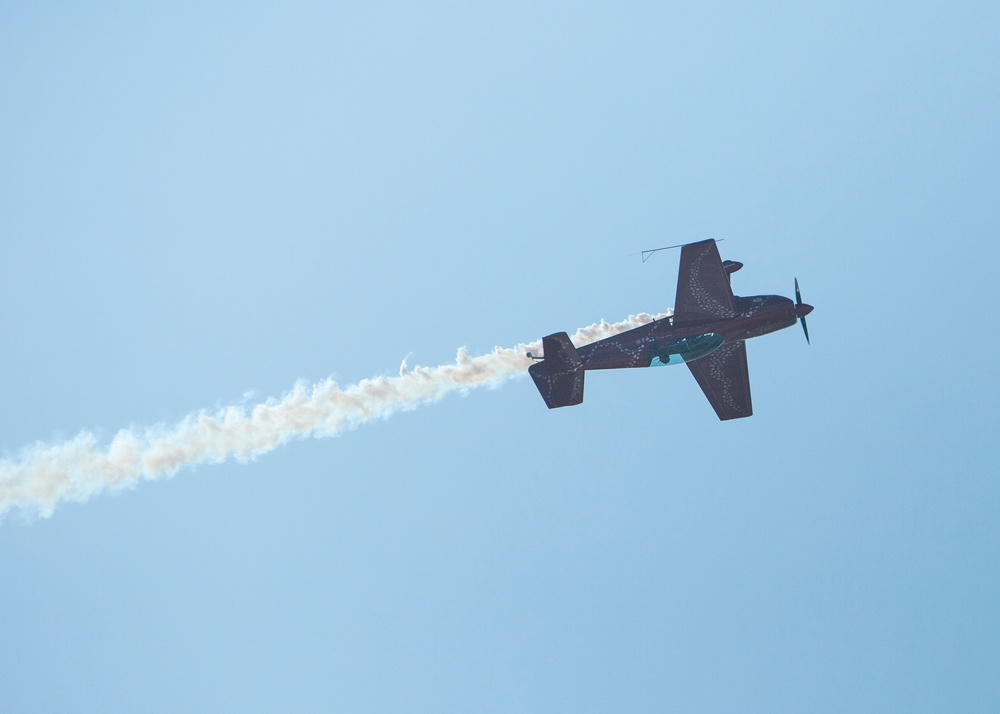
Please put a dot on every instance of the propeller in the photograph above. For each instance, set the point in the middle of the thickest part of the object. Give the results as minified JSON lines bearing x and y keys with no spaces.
{"x":801,"y":310}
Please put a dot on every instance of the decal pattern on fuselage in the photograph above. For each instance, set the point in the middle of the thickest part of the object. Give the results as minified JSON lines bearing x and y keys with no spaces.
{"x":628,"y":350}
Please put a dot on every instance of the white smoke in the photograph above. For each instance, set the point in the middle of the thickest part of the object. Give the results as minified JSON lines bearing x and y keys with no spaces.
{"x":43,"y":475}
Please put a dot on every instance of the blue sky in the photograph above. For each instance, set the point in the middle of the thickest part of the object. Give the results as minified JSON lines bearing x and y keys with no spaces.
{"x":203,"y":201}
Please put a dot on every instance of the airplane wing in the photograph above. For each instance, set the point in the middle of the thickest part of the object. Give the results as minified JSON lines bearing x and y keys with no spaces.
{"x":724,"y":378}
{"x":703,"y":291}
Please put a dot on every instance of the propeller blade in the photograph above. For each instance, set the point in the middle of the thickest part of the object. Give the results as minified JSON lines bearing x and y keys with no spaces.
{"x":802,"y":316}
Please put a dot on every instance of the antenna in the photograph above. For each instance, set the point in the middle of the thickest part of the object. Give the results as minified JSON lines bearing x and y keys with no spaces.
{"x":647,"y":254}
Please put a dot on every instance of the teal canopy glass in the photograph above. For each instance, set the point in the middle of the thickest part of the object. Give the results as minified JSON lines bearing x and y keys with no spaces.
{"x":685,"y":350}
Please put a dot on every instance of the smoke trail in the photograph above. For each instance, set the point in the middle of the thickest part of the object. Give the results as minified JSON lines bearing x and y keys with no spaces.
{"x":44,"y":475}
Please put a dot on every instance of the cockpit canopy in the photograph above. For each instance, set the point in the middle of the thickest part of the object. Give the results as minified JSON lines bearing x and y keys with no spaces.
{"x":685,"y":350}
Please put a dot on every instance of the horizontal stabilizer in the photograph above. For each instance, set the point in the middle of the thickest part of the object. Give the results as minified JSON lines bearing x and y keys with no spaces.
{"x":559,"y":376}
{"x":559,"y":353}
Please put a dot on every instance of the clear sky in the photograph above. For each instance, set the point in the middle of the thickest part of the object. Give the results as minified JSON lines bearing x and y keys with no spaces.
{"x":202,"y":203}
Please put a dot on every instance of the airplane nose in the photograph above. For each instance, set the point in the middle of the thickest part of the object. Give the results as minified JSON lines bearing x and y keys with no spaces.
{"x":801,"y":310}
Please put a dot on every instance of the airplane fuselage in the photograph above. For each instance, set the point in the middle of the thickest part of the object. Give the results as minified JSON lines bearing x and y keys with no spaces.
{"x":755,"y":316}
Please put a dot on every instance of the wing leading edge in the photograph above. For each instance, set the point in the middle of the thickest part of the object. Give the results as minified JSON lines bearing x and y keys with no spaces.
{"x":725,"y":379}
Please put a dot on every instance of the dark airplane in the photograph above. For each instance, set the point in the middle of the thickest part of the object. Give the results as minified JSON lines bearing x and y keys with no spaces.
{"x":707,"y":332}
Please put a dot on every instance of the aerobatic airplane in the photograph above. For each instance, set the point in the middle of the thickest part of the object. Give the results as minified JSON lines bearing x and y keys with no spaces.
{"x":707,"y":332}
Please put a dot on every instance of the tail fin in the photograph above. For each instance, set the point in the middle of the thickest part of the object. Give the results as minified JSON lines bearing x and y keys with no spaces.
{"x":559,"y":376}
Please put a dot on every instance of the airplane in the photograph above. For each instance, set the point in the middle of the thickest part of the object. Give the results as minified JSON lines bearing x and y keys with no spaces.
{"x":707,"y":331}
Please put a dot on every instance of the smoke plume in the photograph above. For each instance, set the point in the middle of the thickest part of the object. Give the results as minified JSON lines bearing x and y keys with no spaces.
{"x":43,"y":475}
